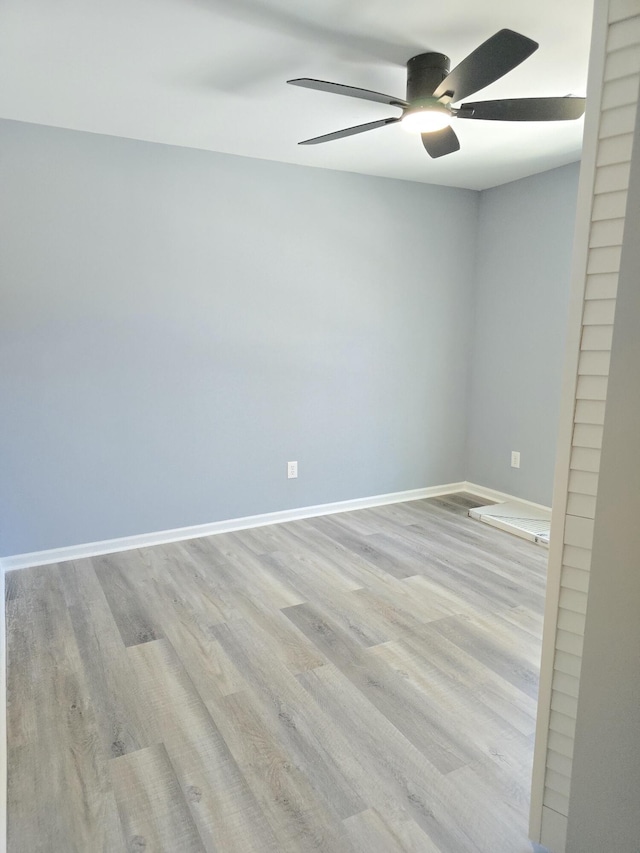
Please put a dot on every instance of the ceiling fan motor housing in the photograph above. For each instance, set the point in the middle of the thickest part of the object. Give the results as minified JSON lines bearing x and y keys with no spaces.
{"x":425,"y":72}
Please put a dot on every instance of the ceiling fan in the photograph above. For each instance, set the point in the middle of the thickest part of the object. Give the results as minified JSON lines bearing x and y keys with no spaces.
{"x":432,"y":89}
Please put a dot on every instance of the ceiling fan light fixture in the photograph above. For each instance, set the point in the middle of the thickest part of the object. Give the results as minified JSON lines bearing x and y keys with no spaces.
{"x":426,"y":119}
{"x":432,"y":88}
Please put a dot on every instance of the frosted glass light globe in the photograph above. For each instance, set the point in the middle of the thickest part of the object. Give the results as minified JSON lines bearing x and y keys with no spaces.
{"x":426,"y":120}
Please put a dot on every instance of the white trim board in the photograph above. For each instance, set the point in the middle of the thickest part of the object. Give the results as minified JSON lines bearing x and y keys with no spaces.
{"x":163,"y":537}
{"x":547,"y":825}
{"x":501,"y":497}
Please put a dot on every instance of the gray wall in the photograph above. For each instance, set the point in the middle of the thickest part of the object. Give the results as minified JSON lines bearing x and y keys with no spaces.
{"x":605,"y":786}
{"x":523,"y":271}
{"x":175,"y":325}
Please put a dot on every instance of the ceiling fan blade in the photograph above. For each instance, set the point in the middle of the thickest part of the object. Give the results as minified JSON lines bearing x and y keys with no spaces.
{"x":349,"y":131}
{"x":441,"y":142}
{"x":487,"y":63}
{"x":525,"y":109}
{"x":351,"y":91}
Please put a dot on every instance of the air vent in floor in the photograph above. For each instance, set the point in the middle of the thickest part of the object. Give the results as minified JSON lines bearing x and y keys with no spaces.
{"x":518,"y":518}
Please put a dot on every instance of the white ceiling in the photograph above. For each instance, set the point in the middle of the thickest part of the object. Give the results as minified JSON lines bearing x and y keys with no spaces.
{"x":211,"y":74}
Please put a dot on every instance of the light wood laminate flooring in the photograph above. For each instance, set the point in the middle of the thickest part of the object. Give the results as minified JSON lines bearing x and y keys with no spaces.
{"x":359,"y":682}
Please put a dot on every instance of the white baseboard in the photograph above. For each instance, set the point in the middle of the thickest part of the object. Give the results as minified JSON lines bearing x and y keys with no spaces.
{"x":500,"y":497}
{"x":163,"y":537}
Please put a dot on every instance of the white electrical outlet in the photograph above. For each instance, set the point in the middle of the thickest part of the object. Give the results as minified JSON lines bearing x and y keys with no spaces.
{"x":292,"y":470}
{"x":515,"y":458}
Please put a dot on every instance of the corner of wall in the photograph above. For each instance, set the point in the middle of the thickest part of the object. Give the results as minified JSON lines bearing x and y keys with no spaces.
{"x":479,"y":201}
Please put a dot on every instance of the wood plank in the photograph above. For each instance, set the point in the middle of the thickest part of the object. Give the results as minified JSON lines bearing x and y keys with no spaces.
{"x":511,"y":665}
{"x":406,"y":707}
{"x":585,"y":458}
{"x":287,"y":539}
{"x":622,"y":62}
{"x":189,"y":574}
{"x":594,"y":363}
{"x":393,"y":763}
{"x":188,"y":605}
{"x":565,"y":704}
{"x":349,"y":610}
{"x":153,"y":811}
{"x":599,"y":312}
{"x":485,"y":781}
{"x":617,"y":121}
{"x":59,"y":795}
{"x":369,"y":832}
{"x":23,"y":589}
{"x":617,"y":149}
{"x":127,"y":604}
{"x":364,"y":548}
{"x":623,"y":34}
{"x":284,"y":710}
{"x":246,"y":567}
{"x":290,"y":645}
{"x":299,"y":817}
{"x":584,"y":482}
{"x":620,"y":9}
{"x":611,"y":205}
{"x":116,"y":699}
{"x":578,"y":531}
{"x":623,"y":90}
{"x":587,"y":435}
{"x":481,"y":728}
{"x":575,"y":578}
{"x":611,"y":179}
{"x":352,"y":566}
{"x":224,"y":809}
{"x":606,"y":232}
{"x":471,"y":676}
{"x":480,"y":583}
